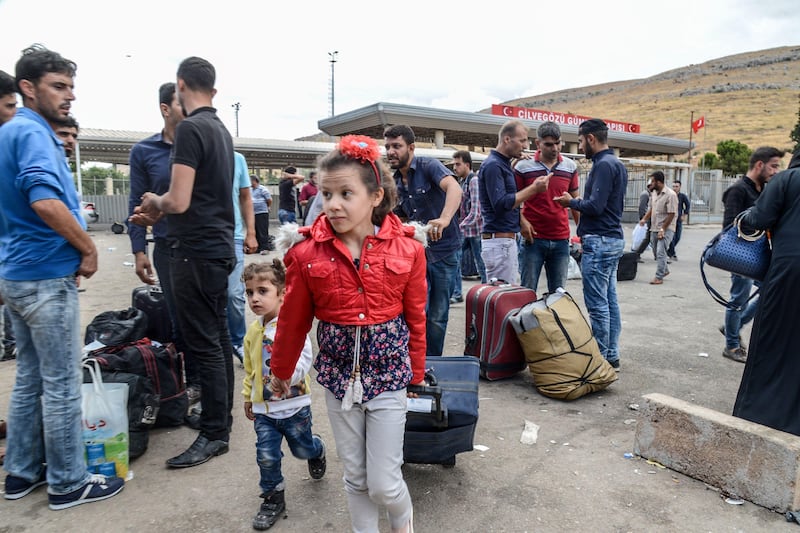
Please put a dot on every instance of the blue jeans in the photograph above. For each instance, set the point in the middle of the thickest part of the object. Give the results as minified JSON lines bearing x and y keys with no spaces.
{"x":456,"y":287}
{"x":474,"y":245}
{"x":9,"y":339}
{"x":270,"y":433}
{"x":284,"y":216}
{"x":734,"y":320}
{"x":439,"y":275}
{"x":44,"y":414}
{"x":235,"y":310}
{"x":553,"y":255}
{"x":676,"y":239}
{"x":599,"y":271}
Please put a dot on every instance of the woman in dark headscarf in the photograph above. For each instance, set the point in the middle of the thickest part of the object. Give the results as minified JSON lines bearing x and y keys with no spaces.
{"x":770,"y":392}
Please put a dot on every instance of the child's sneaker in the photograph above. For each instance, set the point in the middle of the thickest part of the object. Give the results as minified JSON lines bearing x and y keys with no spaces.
{"x":273,"y":506}
{"x":17,"y":488}
{"x":97,"y":488}
{"x":317,"y":467}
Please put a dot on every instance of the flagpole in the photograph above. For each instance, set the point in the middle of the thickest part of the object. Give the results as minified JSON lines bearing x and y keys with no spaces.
{"x":704,"y":132}
{"x":691,"y":130}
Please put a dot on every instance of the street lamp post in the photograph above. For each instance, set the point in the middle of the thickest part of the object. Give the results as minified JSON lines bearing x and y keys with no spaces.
{"x":333,"y":62}
{"x":236,"y":108}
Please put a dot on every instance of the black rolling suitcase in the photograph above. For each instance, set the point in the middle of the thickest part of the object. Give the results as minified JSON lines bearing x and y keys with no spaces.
{"x":151,"y":301}
{"x":448,"y":428}
{"x":626,"y":269}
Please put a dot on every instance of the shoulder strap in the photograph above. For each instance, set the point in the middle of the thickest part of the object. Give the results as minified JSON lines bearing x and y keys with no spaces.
{"x":711,"y":290}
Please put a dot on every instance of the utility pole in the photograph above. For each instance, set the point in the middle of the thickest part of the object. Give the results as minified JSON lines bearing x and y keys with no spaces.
{"x":333,"y":62}
{"x":236,"y":108}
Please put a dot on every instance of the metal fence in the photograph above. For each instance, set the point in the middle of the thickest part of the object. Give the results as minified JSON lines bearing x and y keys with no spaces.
{"x":705,"y":194}
{"x":114,"y":208}
{"x":704,"y":189}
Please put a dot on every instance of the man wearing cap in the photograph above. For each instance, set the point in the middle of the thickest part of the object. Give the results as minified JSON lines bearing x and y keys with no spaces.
{"x":500,"y":201}
{"x":544,"y":224}
{"x":602,"y":238}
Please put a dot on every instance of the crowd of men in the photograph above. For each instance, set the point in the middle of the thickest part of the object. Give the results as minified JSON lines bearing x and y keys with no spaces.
{"x":512,"y":218}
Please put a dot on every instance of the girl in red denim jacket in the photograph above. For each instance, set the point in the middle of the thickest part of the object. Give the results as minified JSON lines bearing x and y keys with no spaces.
{"x":361,"y":273}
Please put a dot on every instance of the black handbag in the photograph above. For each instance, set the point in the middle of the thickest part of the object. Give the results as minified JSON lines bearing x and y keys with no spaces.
{"x":732,"y":250}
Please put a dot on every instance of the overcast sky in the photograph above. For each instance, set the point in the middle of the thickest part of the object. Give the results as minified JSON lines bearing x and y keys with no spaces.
{"x":272,"y":56}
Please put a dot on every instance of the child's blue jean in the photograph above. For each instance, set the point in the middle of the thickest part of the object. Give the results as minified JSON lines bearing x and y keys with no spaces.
{"x":270,"y":433}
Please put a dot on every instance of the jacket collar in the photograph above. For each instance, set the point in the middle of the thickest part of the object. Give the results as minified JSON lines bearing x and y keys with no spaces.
{"x":321,"y":231}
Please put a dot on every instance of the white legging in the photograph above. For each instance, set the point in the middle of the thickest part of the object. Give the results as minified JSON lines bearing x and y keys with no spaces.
{"x":369,"y":442}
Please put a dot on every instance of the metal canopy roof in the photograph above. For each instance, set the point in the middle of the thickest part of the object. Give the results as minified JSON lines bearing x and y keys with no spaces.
{"x":114,"y":146}
{"x":462,"y":128}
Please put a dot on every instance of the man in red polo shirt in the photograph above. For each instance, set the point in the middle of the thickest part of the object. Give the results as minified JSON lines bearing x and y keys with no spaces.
{"x":544,"y":224}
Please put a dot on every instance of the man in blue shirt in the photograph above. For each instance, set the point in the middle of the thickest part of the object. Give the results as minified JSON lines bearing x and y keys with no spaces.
{"x":500,"y":202}
{"x":428,"y":193}
{"x":44,"y":249}
{"x":244,"y":240}
{"x":150,"y":172}
{"x":602,"y":238}
{"x":200,"y":236}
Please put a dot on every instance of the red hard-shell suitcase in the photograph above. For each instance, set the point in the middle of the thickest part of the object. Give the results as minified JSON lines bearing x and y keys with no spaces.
{"x":489,"y":335}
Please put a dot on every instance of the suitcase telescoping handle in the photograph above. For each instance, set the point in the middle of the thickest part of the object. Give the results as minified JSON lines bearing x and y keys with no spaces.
{"x":435,"y":392}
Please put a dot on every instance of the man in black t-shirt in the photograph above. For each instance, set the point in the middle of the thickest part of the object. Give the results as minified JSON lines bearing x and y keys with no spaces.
{"x":200,"y":236}
{"x":287,"y":195}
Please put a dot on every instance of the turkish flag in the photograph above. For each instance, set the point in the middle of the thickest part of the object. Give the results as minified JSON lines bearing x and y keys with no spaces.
{"x":699,"y":123}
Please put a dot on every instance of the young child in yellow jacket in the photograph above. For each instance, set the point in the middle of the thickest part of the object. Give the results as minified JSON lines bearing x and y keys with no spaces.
{"x":274,"y":418}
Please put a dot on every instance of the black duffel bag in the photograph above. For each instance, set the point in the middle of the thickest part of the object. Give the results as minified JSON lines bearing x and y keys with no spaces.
{"x":159,"y":362}
{"x":117,"y":327}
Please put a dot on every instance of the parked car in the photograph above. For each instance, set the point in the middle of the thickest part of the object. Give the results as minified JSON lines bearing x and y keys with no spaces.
{"x":90,"y":214}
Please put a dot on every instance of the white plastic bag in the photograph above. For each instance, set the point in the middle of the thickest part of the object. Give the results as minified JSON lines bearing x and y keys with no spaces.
{"x":104,"y":417}
{"x":639,"y":234}
{"x":574,"y":269}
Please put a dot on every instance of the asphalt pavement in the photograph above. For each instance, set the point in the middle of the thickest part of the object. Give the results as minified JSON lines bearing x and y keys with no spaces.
{"x":578,"y":476}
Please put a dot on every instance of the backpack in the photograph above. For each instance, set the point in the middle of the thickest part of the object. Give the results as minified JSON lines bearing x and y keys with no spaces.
{"x":561,"y":352}
{"x":159,"y":362}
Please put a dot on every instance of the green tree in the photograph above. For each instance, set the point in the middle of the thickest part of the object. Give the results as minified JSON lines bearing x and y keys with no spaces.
{"x":733,"y":157}
{"x":795,"y":135}
{"x":709,"y":160}
{"x":94,"y":180}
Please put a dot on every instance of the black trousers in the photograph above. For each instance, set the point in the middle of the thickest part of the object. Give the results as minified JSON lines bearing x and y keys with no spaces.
{"x":200,"y":288}
{"x":262,"y":231}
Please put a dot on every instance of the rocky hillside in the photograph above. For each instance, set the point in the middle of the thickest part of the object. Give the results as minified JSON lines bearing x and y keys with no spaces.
{"x":752,"y":98}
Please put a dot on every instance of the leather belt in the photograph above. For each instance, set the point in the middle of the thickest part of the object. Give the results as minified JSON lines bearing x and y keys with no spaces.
{"x":498,"y":235}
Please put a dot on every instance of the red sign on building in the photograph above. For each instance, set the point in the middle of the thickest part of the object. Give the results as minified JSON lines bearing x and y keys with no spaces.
{"x":526,"y":113}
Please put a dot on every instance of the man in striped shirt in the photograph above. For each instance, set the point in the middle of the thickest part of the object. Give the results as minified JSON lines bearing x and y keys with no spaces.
{"x":469,"y":216}
{"x":544,"y":224}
